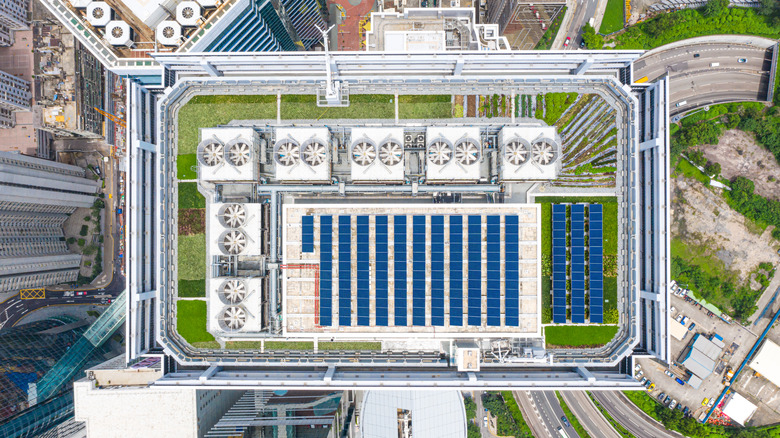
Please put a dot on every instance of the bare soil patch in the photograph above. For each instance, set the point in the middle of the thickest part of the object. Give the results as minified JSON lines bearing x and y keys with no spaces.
{"x":192,"y":221}
{"x":740,"y":155}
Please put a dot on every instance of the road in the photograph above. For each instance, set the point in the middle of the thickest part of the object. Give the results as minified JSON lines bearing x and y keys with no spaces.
{"x":588,"y":415}
{"x":632,"y":418}
{"x":583,"y":11}
{"x":529,"y":411}
{"x":550,"y":410}
{"x":483,"y":430}
{"x":696,"y":82}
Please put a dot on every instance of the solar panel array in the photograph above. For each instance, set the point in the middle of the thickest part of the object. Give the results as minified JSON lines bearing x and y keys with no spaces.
{"x":559,"y":263}
{"x":596,"y":255}
{"x":307,"y":233}
{"x":578,"y":263}
{"x":430,"y":246}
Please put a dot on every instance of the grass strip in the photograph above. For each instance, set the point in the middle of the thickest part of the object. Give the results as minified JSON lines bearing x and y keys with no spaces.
{"x":191,"y":321}
{"x":368,"y":346}
{"x":192,"y":257}
{"x":361,"y":106}
{"x":289,"y":345}
{"x":575,"y":423}
{"x":192,"y":288}
{"x":579,"y":335}
{"x":190,"y":197}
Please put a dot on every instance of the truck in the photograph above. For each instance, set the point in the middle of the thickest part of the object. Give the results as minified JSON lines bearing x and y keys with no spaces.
{"x":727,"y":377}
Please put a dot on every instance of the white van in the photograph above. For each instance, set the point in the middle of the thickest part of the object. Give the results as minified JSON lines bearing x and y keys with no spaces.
{"x":714,"y":64}
{"x":682,"y":103}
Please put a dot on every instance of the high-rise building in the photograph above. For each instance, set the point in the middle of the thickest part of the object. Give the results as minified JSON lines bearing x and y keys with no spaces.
{"x":36,"y":197}
{"x":14,"y":96}
{"x":13,"y":16}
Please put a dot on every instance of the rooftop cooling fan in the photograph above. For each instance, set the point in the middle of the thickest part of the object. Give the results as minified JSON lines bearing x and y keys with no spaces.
{"x":364,"y":153}
{"x":234,"y":215}
{"x":117,"y":32}
{"x":234,"y":242}
{"x":239,"y":153}
{"x":233,"y":291}
{"x":233,"y":318}
{"x":288,"y":152}
{"x":466,"y":152}
{"x":187,"y":12}
{"x":98,"y":12}
{"x":440,"y":152}
{"x":168,"y":32}
{"x":212,"y":153}
{"x":543,"y":152}
{"x":391,"y":153}
{"x":516,"y":152}
{"x":314,"y":153}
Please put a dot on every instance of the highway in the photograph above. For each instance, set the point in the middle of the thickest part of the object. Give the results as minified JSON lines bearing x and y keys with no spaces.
{"x":529,"y":411}
{"x":588,"y":415}
{"x":550,"y":411}
{"x":632,"y":418}
{"x":695,"y":81}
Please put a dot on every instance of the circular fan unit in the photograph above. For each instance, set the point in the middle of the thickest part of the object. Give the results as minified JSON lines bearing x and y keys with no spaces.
{"x":440,"y":152}
{"x":287,"y":152}
{"x":467,"y":152}
{"x":211,"y":152}
{"x":233,"y":242}
{"x":364,"y":152}
{"x":516,"y":152}
{"x":168,"y":32}
{"x":98,"y":12}
{"x":391,"y":153}
{"x":314,"y":153}
{"x":232,"y":291}
{"x":117,"y":32}
{"x":234,"y":215}
{"x":239,"y":152}
{"x":543,"y":152}
{"x":187,"y":12}
{"x":233,"y":318}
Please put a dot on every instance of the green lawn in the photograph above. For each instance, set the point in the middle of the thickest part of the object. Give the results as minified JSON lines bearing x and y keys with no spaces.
{"x":190,"y":197}
{"x":579,"y":335}
{"x":210,"y":111}
{"x":361,"y":106}
{"x":192,"y":288}
{"x":191,"y":321}
{"x":192,"y":257}
{"x":349,"y":346}
{"x":243,"y":345}
{"x":435,"y":106}
{"x":184,"y":165}
{"x":701,"y":256}
{"x":555,"y":104}
{"x":289,"y":345}
{"x":613,"y":17}
{"x":610,"y":293}
{"x":691,"y":171}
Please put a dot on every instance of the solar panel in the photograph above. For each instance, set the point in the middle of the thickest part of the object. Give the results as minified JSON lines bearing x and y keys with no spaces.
{"x":307,"y":234}
{"x":559,"y":263}
{"x":380,"y":283}
{"x":437,"y":270}
{"x":363,"y":292}
{"x":596,"y":263}
{"x":456,"y":271}
{"x":418,"y":270}
{"x":512,"y":271}
{"x":475,"y":271}
{"x":345,"y":260}
{"x":326,"y":271}
{"x":399,"y":269}
{"x":493,"y":271}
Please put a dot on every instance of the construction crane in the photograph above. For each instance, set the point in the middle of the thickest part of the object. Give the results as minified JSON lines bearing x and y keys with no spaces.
{"x":112,"y":117}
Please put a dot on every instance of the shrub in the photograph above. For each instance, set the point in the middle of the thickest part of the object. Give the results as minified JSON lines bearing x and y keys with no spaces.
{"x":82,"y":242}
{"x":87,"y":218}
{"x":71,"y":240}
{"x":87,"y":263}
{"x":471,"y":408}
{"x":84,"y":230}
{"x":99,"y":203}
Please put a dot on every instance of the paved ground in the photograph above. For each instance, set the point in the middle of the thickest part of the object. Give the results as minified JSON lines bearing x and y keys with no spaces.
{"x":632,"y":418}
{"x":589,"y":415}
{"x":348,"y":31}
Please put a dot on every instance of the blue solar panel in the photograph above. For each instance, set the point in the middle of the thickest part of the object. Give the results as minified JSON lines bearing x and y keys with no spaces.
{"x":456,"y":270}
{"x":475,"y":271}
{"x":326,"y":271}
{"x":418,"y":270}
{"x":596,"y":263}
{"x":307,"y":234}
{"x":512,"y":274}
{"x":437,"y":270}
{"x":380,"y":284}
{"x":363,"y":292}
{"x":559,"y":263}
{"x":493,"y":271}
{"x":345,"y":259}
{"x":399,"y":271}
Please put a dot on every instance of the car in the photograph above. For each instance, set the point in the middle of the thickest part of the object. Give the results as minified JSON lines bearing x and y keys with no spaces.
{"x":686,"y":411}
{"x":651,"y":387}
{"x":680,"y":407}
{"x":672,"y":310}
{"x":582,"y":44}
{"x":661,"y":397}
{"x":668,"y":373}
{"x":705,"y":401}
{"x":565,"y":421}
{"x":679,"y":318}
{"x":742,"y":60}
{"x":81,"y":293}
{"x":667,"y":400}
{"x":679,"y":380}
{"x":639,"y":374}
{"x":673,"y":404}
{"x":696,"y":55}
{"x":691,"y":327}
{"x":712,"y":402}
{"x":644,"y":380}
{"x":685,"y":320}
{"x":566,"y":43}
{"x":637,"y":367}
{"x":484,"y":421}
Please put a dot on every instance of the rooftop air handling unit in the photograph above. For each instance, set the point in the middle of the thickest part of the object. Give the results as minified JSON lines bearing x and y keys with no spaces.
{"x":233,"y":242}
{"x":118,"y":33}
{"x":168,"y":33}
{"x":453,"y":154}
{"x":232,"y":291}
{"x":233,"y":215}
{"x":377,"y":154}
{"x":188,"y":13}
{"x":211,"y":152}
{"x":232,"y":318}
{"x":99,"y":14}
{"x":239,"y":151}
{"x":529,"y":153}
{"x":302,"y":154}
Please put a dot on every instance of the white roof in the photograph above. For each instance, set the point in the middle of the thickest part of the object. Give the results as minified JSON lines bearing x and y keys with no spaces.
{"x":414,"y":41}
{"x":251,"y":305}
{"x":151,"y":12}
{"x":531,"y":169}
{"x":434,"y":414}
{"x":375,"y":139}
{"x":766,"y":362}
{"x":299,"y":169}
{"x":228,"y":170}
{"x":451,"y":170}
{"x":250,"y":229}
{"x":676,"y":329}
{"x":118,"y":33}
{"x":739,"y":409}
{"x":702,"y":357}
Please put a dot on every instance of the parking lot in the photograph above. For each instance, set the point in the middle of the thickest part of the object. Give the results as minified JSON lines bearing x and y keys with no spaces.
{"x":738,"y":342}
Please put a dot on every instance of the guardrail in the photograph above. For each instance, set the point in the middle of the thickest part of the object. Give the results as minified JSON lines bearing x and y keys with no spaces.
{"x":770,"y":92}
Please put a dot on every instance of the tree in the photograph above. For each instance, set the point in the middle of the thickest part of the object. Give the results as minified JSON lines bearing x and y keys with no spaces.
{"x":715,"y":7}
{"x":592,"y":40}
{"x":768,"y":7}
{"x":712,"y":169}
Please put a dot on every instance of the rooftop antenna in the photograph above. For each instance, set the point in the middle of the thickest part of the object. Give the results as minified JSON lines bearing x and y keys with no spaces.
{"x":332,"y":88}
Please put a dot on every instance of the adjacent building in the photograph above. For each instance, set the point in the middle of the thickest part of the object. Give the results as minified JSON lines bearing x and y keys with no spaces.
{"x":13,"y":16}
{"x":14,"y":96}
{"x":36,"y":197}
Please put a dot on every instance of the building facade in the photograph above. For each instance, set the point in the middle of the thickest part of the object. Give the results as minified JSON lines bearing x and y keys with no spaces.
{"x":13,"y":16}
{"x":36,"y":197}
{"x":15,"y":95}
